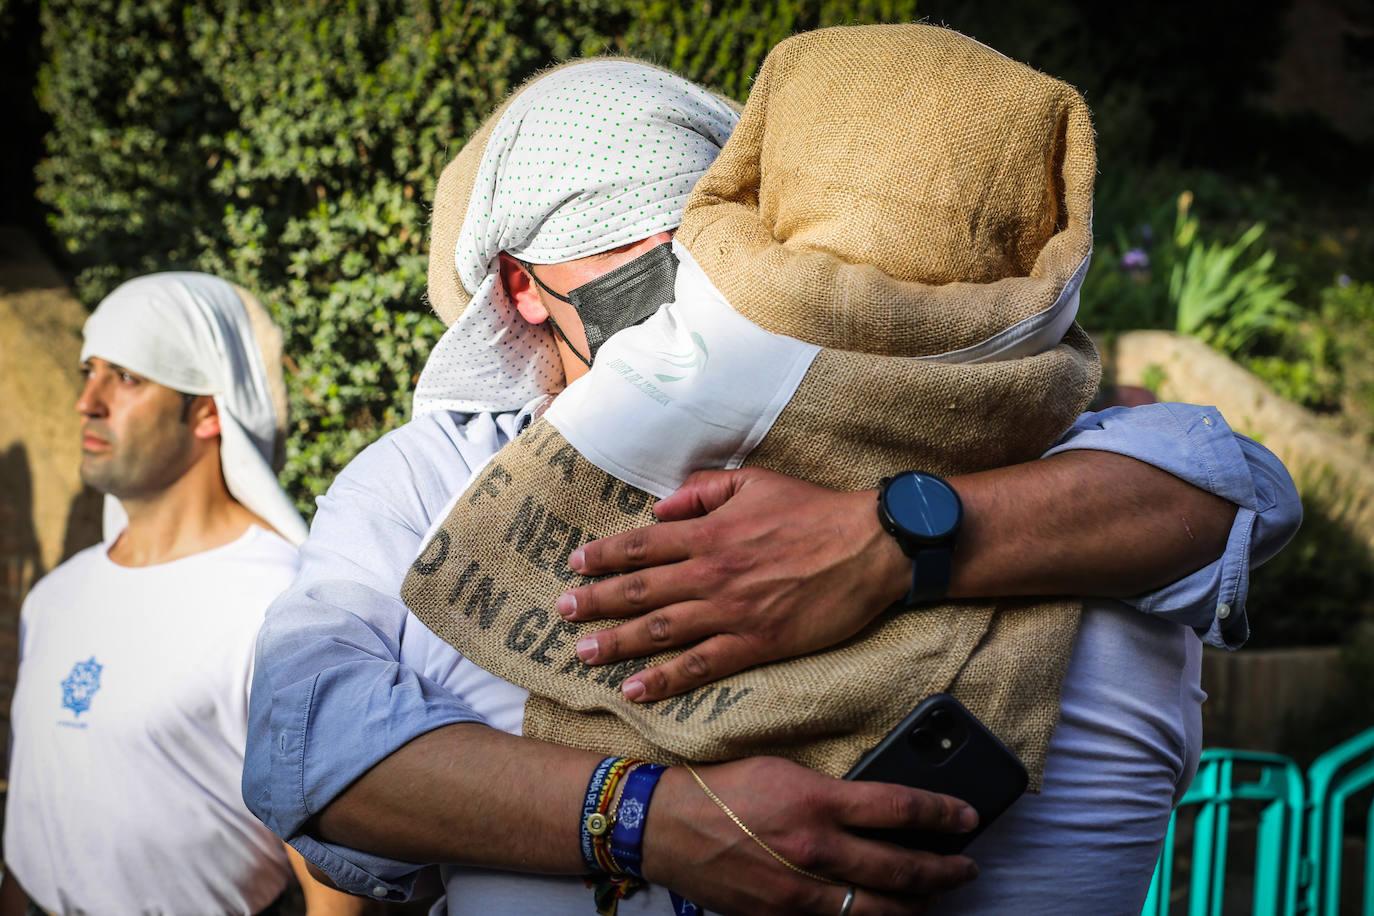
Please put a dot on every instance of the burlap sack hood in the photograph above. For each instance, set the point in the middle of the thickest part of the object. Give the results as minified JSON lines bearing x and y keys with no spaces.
{"x":891,"y":192}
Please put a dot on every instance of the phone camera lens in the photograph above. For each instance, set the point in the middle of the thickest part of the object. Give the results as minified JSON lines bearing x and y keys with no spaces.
{"x":923,"y":740}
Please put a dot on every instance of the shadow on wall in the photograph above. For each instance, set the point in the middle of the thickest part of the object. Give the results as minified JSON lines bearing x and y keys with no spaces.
{"x":83,"y":522}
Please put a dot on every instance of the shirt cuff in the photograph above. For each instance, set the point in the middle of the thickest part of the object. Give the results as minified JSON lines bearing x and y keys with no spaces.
{"x":359,"y":873}
{"x":1196,"y":445}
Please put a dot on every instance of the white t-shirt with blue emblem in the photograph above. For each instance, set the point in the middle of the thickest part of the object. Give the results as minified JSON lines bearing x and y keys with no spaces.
{"x":129,"y":721}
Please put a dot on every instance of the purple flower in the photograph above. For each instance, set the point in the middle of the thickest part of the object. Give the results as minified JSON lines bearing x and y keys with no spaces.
{"x":1343,"y":280}
{"x":1136,"y":259}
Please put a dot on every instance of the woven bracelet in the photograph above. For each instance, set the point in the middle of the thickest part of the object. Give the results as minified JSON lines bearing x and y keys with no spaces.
{"x":627,"y":834}
{"x":590,"y":803}
{"x":599,"y":823}
{"x":609,"y":882}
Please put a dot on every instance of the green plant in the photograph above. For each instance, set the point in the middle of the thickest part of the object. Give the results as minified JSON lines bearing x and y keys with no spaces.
{"x":343,"y":119}
{"x":1347,"y":317}
{"x":1217,"y":295}
{"x":722,"y":44}
{"x":294,"y":148}
{"x":1154,"y":376}
{"x":291,"y":148}
{"x":134,"y":120}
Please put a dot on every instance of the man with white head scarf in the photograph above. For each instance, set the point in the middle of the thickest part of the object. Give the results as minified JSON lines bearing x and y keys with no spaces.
{"x":130,"y":711}
{"x":201,"y":336}
{"x":374,"y":745}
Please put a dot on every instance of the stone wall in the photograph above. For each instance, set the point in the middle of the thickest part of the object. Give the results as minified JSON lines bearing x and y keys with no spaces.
{"x":1323,"y":463}
{"x":1255,"y":695}
{"x":45,"y":513}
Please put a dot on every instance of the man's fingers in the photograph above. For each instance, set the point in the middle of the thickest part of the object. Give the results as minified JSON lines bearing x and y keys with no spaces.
{"x":700,"y":493}
{"x":650,"y":546}
{"x":709,"y":661}
{"x":904,"y":873}
{"x":878,"y":805}
{"x":886,"y":869}
{"x":667,"y":628}
{"x":890,"y":868}
{"x":629,"y":594}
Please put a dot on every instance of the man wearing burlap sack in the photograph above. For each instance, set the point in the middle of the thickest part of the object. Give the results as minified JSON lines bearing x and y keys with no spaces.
{"x":131,"y":708}
{"x":376,"y":745}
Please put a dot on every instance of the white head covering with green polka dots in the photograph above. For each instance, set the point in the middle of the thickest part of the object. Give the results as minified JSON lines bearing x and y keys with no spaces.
{"x":586,"y":159}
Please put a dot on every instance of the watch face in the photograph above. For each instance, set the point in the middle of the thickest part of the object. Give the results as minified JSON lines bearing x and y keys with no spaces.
{"x":923,"y":505}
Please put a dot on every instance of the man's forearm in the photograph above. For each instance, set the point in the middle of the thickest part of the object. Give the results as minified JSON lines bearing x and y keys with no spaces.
{"x":471,"y":795}
{"x":751,"y":566}
{"x":445,"y":795}
{"x":1082,"y":523}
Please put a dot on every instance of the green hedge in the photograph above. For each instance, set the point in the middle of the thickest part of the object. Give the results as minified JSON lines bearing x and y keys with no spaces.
{"x":294,"y":147}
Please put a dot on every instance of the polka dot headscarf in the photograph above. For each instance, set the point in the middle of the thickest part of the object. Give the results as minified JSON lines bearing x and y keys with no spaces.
{"x":588,"y":158}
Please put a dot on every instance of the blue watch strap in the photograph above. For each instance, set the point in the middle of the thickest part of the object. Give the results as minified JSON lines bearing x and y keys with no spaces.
{"x":929,"y":575}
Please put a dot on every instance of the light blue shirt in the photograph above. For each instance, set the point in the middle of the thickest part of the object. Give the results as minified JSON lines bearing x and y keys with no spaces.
{"x":345,"y":675}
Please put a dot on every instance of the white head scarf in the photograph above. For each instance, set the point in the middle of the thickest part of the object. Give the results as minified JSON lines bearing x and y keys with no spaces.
{"x":585,"y":159}
{"x":192,"y":333}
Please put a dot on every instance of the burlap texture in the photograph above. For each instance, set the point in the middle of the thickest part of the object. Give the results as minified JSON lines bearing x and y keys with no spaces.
{"x":945,"y":187}
{"x":892,"y":191}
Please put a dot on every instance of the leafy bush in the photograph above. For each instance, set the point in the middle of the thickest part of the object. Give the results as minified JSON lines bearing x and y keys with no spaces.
{"x":293,"y":148}
{"x":134,"y":118}
{"x":1196,"y":283}
{"x":343,"y":119}
{"x":722,"y":44}
{"x":1347,"y":319}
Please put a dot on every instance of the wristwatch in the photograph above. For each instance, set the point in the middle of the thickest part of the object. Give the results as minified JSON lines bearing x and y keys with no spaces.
{"x":923,"y":513}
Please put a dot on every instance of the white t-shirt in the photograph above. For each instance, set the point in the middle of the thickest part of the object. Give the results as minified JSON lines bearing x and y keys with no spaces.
{"x":129,"y":721}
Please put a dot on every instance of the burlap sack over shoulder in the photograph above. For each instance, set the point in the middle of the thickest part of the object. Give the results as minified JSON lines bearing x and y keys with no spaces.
{"x":890,"y":192}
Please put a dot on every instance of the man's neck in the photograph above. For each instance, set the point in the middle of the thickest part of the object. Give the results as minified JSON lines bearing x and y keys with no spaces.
{"x":194,"y":514}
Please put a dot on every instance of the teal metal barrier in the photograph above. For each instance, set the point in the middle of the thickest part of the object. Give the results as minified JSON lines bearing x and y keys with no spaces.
{"x":1225,"y":777}
{"x":1332,"y":779}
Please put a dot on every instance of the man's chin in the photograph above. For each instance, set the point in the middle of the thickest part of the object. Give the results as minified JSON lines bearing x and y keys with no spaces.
{"x":96,"y":476}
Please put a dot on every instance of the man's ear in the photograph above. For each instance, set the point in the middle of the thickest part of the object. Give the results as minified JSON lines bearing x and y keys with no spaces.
{"x":204,"y":417}
{"x":521,"y":289}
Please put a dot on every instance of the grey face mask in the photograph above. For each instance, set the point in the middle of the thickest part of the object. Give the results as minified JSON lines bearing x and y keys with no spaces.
{"x":619,"y":299}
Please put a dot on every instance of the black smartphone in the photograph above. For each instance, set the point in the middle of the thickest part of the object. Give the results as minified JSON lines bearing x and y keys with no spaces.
{"x":942,"y":747}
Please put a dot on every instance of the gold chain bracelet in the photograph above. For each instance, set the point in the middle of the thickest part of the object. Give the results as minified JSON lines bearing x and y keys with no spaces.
{"x":749,"y":833}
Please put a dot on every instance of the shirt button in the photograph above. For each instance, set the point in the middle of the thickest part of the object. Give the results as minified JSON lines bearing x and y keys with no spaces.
{"x":1223,"y":611}
{"x":379,"y":891}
